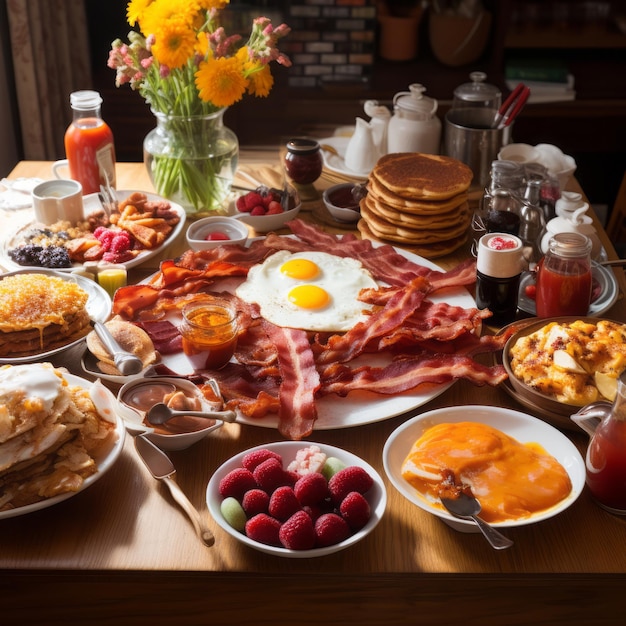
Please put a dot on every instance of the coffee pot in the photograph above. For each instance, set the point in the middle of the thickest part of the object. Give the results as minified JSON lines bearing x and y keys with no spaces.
{"x":414,"y":126}
{"x":605,"y":459}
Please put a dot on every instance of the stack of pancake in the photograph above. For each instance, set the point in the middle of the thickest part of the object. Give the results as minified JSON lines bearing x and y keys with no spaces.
{"x":39,"y":312}
{"x":419,"y":201}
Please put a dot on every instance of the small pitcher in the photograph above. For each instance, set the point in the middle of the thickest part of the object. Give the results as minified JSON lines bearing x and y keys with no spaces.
{"x":605,"y":460}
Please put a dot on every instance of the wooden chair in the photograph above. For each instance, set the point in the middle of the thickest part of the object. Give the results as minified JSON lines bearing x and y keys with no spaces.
{"x":616,"y":228}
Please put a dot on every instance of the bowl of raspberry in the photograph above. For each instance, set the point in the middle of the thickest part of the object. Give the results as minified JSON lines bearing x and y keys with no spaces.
{"x":211,"y":232}
{"x":266,"y":209}
{"x":296,"y":500}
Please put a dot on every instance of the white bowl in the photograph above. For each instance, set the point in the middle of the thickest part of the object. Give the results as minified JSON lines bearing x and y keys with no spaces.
{"x":559,"y":165}
{"x":520,"y":426}
{"x":133,"y":417}
{"x":376,"y":496}
{"x":266,"y":223}
{"x":341,"y":213}
{"x":198,"y":232}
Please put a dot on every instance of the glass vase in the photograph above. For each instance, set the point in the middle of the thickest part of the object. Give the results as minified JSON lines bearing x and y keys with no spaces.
{"x":192,"y":160}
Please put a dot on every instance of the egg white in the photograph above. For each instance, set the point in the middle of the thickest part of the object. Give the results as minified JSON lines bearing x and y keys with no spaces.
{"x":341,"y":278}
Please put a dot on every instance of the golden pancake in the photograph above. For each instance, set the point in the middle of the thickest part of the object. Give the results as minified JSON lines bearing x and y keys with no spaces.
{"x":412,"y":205}
{"x":428,"y":251}
{"x":415,"y":175}
{"x":410,"y":235}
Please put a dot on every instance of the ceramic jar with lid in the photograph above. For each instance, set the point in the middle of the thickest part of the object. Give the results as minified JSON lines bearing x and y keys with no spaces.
{"x":414,"y":126}
{"x":303,"y":160}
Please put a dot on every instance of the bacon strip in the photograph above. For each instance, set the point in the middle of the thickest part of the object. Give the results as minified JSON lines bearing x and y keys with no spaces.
{"x":299,"y":381}
{"x":407,"y":374}
{"x":345,"y":347}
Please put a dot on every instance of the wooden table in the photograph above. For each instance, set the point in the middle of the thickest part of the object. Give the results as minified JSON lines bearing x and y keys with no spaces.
{"x":122,"y":551}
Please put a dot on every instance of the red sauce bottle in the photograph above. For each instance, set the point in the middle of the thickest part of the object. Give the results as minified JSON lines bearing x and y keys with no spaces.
{"x":89,"y":146}
{"x":564,"y":277}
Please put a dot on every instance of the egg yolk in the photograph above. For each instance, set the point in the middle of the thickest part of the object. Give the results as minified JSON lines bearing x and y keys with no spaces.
{"x":302,"y":269}
{"x":309,"y":297}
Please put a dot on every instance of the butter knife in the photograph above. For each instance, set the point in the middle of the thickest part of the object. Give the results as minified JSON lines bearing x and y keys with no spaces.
{"x":162,"y":468}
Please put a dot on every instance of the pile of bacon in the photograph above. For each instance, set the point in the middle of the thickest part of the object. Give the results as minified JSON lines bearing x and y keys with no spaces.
{"x":284,"y":370}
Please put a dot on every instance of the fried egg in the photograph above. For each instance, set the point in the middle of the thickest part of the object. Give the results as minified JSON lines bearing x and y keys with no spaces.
{"x":308,"y":290}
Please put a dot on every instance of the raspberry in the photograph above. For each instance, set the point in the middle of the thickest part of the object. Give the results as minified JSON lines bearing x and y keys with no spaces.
{"x":330,"y":529}
{"x":236,"y":483}
{"x":105,"y":237}
{"x":252,"y":199}
{"x":297,"y":533}
{"x":252,"y":459}
{"x":270,"y":474}
{"x":264,"y":529}
{"x":120,"y":243}
{"x":240,"y":203}
{"x":274,"y":208}
{"x":352,"y":478}
{"x":283,"y":503}
{"x":355,"y":509}
{"x":255,"y":501}
{"x":258,"y":210}
{"x":117,"y":257}
{"x":311,"y":489}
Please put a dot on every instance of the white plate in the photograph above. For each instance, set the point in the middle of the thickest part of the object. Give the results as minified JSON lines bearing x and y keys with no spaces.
{"x":520,"y":426}
{"x":104,"y":461}
{"x":376,"y":496}
{"x":335,"y":162}
{"x":98,"y":307}
{"x":89,"y":364}
{"x":609,"y":291}
{"x":91,"y":204}
{"x":359,"y":408}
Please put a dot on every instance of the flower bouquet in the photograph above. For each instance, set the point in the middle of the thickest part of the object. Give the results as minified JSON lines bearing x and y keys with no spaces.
{"x":189,"y":71}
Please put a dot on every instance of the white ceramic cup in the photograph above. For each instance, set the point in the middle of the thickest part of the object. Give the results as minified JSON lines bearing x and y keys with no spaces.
{"x":56,"y":200}
{"x":61,"y":169}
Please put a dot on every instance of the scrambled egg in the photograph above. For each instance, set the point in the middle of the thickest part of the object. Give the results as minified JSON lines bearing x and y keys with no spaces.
{"x":576,"y":363}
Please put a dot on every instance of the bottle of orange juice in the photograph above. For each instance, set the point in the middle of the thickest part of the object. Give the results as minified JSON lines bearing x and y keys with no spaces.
{"x":89,"y":145}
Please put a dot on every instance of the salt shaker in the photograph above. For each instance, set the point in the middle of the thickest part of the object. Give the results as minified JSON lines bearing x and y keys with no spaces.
{"x":499,"y":265}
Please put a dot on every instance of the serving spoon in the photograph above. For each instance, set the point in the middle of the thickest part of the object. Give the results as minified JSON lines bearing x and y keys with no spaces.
{"x":161,"y":413}
{"x":126,"y":362}
{"x":468,"y":507}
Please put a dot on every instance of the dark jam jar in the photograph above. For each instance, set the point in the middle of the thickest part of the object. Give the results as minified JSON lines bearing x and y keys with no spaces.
{"x":303,"y":161}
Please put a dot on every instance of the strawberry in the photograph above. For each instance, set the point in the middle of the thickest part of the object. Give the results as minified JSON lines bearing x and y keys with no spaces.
{"x":330,"y":529}
{"x":217,"y":235}
{"x":236,"y":483}
{"x":274,"y":208}
{"x":283,"y":503}
{"x":297,"y":533}
{"x":255,"y":501}
{"x":259,"y":209}
{"x":351,"y":478}
{"x":270,"y":475}
{"x":264,"y":529}
{"x":311,"y":489}
{"x":252,"y":199}
{"x":252,"y":459}
{"x":355,"y":509}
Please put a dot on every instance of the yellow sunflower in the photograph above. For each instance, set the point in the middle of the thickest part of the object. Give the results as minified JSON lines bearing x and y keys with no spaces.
{"x":135,"y":10}
{"x":261,"y":82}
{"x":221,"y":81}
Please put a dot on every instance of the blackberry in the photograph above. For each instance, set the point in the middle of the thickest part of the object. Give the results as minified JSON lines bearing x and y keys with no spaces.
{"x":41,"y":256}
{"x":26,"y":255}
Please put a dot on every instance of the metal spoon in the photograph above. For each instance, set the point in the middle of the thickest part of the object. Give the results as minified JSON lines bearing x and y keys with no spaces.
{"x":126,"y":362}
{"x":161,"y":413}
{"x":468,"y":507}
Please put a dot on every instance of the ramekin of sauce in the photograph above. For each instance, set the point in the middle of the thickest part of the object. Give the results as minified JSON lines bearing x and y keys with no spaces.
{"x":209,"y":332}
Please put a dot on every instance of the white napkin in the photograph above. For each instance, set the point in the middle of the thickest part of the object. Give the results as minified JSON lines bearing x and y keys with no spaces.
{"x":17,"y":193}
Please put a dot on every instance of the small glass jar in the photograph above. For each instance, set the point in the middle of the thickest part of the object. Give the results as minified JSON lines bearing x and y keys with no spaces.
{"x":564,"y":276}
{"x":209,"y":332}
{"x":303,"y":160}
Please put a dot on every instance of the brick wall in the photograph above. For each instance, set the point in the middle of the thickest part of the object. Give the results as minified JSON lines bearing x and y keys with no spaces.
{"x":331,"y":42}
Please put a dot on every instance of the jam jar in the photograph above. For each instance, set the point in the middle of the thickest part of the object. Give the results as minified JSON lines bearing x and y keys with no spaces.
{"x":209,"y":332}
{"x":303,"y":160}
{"x":564,"y":276}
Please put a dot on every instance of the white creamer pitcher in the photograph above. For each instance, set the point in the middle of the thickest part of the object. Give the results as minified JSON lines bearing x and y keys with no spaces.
{"x":361,"y":152}
{"x":571,"y":217}
{"x":414,"y":126}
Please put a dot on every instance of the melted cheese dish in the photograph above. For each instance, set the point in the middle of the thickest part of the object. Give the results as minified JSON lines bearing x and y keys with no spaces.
{"x":576,"y":363}
{"x":510,"y":479}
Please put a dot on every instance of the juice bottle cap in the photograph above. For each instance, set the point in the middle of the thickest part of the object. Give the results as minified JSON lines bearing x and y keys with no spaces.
{"x":85,"y":100}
